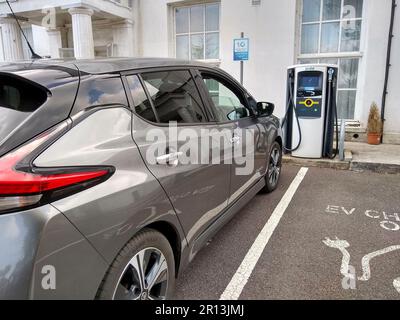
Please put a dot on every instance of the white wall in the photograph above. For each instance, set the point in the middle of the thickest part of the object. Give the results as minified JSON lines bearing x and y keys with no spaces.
{"x":102,"y":35}
{"x":271,"y":29}
{"x":154,"y":26}
{"x":393,"y":98}
{"x":40,"y":40}
{"x":1,"y":47}
{"x":372,"y":64}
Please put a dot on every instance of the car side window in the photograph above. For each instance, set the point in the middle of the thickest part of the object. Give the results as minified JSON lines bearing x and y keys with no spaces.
{"x":227,"y":102}
{"x":175,"y":97}
{"x":141,"y":102}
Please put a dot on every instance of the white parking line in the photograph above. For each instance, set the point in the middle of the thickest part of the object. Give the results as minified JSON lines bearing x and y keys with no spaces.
{"x":242,"y":275}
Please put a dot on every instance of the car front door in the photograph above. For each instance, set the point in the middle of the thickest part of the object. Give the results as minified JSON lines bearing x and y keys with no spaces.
{"x":172,"y":130}
{"x":230,"y":104}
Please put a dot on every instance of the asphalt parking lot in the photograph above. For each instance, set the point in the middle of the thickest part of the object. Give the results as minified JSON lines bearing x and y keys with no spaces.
{"x":339,"y":238}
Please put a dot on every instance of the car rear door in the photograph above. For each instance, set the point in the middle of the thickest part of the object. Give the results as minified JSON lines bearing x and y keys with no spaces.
{"x":248,"y":137}
{"x":172,"y":130}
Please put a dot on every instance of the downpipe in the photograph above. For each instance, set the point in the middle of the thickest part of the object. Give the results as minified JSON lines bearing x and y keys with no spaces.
{"x":388,"y":65}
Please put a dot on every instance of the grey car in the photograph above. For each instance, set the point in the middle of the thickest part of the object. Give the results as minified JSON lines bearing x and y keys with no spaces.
{"x":86,"y":211}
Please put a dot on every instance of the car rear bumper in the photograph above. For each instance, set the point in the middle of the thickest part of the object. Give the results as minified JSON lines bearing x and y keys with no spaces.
{"x":43,"y":256}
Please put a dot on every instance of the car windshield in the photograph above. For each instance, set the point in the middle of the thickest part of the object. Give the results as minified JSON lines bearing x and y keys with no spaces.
{"x":18,"y":100}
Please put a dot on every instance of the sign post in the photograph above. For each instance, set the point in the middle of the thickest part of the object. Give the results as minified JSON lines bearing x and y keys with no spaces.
{"x":241,"y":52}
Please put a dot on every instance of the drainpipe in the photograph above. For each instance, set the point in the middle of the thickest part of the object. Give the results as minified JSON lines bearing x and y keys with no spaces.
{"x":388,"y":65}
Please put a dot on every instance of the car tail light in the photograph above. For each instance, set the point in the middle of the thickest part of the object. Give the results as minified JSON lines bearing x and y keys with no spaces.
{"x":22,"y":185}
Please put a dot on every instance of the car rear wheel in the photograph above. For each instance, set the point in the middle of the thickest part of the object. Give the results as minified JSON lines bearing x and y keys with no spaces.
{"x":274,"y":168}
{"x":143,"y":270}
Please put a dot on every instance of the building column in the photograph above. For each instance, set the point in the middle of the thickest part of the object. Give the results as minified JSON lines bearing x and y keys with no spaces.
{"x":82,"y":30}
{"x":1,"y":47}
{"x":12,"y":40}
{"x":123,"y":38}
{"x":55,"y":42}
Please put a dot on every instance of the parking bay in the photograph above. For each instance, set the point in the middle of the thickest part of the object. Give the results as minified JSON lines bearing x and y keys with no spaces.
{"x":339,"y":238}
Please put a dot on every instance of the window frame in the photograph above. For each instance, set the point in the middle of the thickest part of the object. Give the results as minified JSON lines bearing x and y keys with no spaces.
{"x":339,"y":55}
{"x":139,"y":73}
{"x":232,"y":85}
{"x":320,"y":22}
{"x":131,"y":99}
{"x":204,"y":32}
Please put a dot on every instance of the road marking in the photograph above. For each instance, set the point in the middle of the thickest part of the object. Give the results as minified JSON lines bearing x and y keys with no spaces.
{"x":343,"y":245}
{"x":242,"y":275}
{"x":366,"y":261}
{"x":390,"y":222}
{"x":396,"y":284}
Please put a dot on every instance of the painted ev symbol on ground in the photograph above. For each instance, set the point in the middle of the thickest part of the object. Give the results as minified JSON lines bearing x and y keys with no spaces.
{"x":348,"y":272}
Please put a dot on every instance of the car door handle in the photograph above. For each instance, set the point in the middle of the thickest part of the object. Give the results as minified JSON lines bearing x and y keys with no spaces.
{"x":171,"y":159}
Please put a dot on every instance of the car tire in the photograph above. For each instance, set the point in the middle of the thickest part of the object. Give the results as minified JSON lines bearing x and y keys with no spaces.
{"x":123,"y":280}
{"x":274,"y":168}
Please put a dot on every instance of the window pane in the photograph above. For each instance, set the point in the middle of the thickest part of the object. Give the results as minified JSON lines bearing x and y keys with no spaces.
{"x":311,"y":10}
{"x":212,"y":17}
{"x":197,"y":44}
{"x":212,"y":87}
{"x":142,"y":104}
{"x":308,"y":61}
{"x":212,"y":46}
{"x":182,"y":47}
{"x":351,"y":32}
{"x":175,"y":97}
{"x":352,"y":9}
{"x":329,"y":61}
{"x":330,"y":37}
{"x":18,"y":100}
{"x":227,"y":103}
{"x":182,"y":20}
{"x":197,"y":19}
{"x":346,"y":104}
{"x":309,"y":38}
{"x":331,"y":9}
{"x":348,"y":73}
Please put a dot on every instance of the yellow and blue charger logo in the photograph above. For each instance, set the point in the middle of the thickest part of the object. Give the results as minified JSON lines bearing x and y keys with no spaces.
{"x":309,"y":103}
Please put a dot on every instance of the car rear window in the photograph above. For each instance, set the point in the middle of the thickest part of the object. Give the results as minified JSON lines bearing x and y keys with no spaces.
{"x":18,"y":99}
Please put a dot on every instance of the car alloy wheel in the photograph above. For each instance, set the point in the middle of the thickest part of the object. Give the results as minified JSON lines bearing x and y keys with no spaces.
{"x":144,"y":278}
{"x":274,"y":168}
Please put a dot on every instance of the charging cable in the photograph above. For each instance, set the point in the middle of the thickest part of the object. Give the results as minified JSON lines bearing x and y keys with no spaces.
{"x":290,"y":108}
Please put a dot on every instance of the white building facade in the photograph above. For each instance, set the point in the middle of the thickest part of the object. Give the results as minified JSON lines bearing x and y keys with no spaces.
{"x":83,"y":29}
{"x":351,"y":33}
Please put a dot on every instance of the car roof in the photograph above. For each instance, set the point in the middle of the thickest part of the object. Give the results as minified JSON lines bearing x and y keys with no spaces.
{"x":103,"y":66}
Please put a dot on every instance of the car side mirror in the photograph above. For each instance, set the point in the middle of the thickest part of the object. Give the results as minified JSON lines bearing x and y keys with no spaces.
{"x":265,"y":109}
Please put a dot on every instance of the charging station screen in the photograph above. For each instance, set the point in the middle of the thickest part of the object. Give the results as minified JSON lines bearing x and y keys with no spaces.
{"x":310,"y":82}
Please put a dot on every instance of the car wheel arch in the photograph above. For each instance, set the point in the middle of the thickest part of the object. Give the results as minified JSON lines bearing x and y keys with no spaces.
{"x":173,"y":237}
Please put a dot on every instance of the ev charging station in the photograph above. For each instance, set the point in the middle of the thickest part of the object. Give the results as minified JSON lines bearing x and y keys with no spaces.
{"x":311,"y":113}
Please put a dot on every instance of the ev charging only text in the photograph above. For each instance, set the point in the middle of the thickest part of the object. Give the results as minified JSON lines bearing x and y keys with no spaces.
{"x":388,"y":221}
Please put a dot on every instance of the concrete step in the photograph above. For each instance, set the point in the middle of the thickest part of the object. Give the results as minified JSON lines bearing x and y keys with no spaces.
{"x":385,"y":168}
{"x":359,"y":157}
{"x":320,"y":163}
{"x":383,"y":158}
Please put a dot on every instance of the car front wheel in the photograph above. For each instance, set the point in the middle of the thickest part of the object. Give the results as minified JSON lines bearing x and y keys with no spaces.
{"x":274,"y":168}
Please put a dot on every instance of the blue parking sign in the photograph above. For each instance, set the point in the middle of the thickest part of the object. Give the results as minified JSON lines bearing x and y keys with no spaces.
{"x":241,"y":49}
